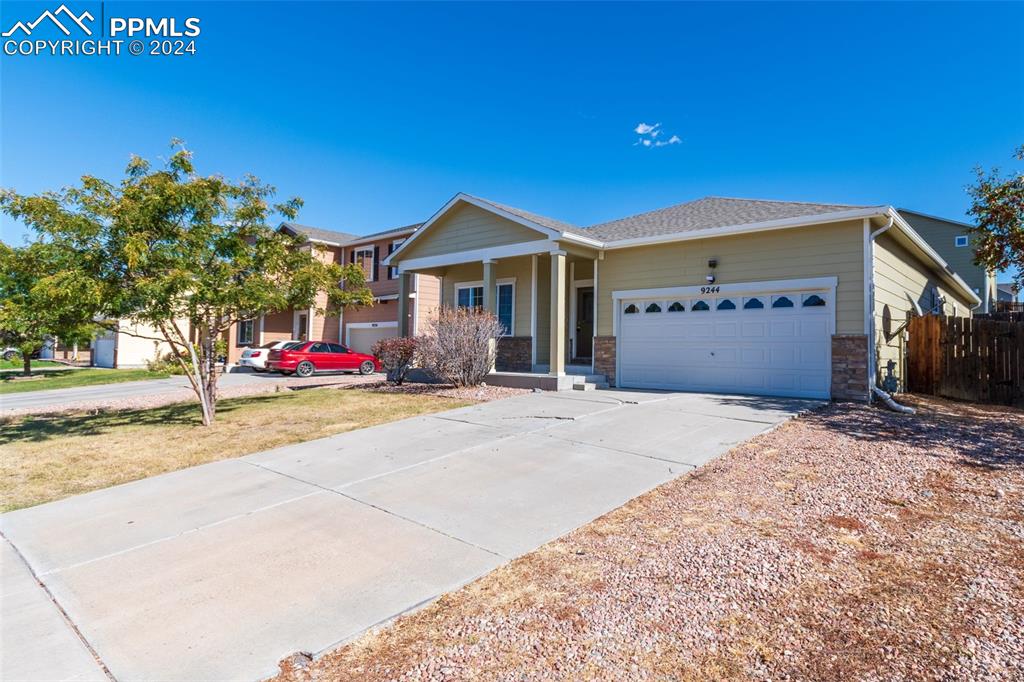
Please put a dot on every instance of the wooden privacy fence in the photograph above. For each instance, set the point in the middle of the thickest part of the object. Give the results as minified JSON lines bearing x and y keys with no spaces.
{"x":966,"y":359}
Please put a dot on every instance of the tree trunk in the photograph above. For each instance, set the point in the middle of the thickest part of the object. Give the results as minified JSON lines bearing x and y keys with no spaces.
{"x":208,"y":375}
{"x":26,"y":364}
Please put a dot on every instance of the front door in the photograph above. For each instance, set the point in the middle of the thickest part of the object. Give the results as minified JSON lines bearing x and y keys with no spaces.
{"x":303,"y":328}
{"x":584,"y":323}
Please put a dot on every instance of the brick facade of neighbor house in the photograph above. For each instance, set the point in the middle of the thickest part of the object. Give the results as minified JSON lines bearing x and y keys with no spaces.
{"x":514,"y":354}
{"x":604,"y":357}
{"x":849,"y":367}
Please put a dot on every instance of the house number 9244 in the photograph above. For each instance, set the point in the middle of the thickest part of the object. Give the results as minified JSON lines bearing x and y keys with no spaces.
{"x":710,"y":290}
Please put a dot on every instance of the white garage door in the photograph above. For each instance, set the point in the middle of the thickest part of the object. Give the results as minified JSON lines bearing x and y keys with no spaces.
{"x":756,"y":342}
{"x":103,"y":351}
{"x":361,"y":339}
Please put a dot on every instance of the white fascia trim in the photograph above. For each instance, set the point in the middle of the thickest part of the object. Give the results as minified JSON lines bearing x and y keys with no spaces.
{"x":476,"y":255}
{"x":812,"y":283}
{"x":763,"y":226}
{"x":480,"y":283}
{"x":465,"y":198}
{"x":371,"y":325}
{"x":943,"y":266}
{"x":580,"y":239}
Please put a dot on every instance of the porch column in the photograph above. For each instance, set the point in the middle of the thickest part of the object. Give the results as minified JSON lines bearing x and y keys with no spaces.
{"x":533,"y":313}
{"x":557,"y":359}
{"x":491,"y":303}
{"x":403,"y":304}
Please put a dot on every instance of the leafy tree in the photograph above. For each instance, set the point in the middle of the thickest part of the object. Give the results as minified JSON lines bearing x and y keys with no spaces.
{"x":44,"y":295}
{"x":188,"y":254}
{"x":998,"y":209}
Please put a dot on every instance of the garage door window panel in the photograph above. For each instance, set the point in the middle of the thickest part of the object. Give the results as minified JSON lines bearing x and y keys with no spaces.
{"x":700,"y":306}
{"x":813,"y":301}
{"x":726,"y":304}
{"x":676,"y":307}
{"x":631,"y":309}
{"x":782,"y":302}
{"x":753,"y":304}
{"x":652,"y":307}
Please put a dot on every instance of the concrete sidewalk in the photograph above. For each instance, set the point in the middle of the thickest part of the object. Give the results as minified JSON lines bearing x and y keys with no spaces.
{"x":219,"y":571}
{"x":59,"y":397}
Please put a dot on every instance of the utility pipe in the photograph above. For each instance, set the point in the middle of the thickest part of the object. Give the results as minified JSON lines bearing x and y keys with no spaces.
{"x":892,"y":404}
{"x":869,"y":292}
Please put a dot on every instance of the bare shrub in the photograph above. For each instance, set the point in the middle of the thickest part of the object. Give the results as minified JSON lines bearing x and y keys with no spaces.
{"x":396,"y":355}
{"x":456,"y":347}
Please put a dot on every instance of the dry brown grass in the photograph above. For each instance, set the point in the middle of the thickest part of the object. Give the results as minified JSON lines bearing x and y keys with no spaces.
{"x":48,"y":457}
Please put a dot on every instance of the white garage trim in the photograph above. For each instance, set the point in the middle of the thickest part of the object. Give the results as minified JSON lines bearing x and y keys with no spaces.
{"x":367,"y":325}
{"x":741,"y":288}
{"x":825,"y":285}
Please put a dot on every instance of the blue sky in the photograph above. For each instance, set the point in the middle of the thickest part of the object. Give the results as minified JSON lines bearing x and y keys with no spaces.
{"x":377,"y":114}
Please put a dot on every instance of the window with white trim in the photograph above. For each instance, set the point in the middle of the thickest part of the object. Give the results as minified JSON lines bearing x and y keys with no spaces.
{"x":961,"y":240}
{"x":245,"y":332}
{"x":469,"y":296}
{"x":472,"y":296}
{"x":506,"y":307}
{"x":363,"y":257}
{"x":392,"y":247}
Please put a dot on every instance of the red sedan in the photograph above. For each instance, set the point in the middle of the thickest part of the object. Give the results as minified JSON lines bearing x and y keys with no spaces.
{"x":306,"y":357}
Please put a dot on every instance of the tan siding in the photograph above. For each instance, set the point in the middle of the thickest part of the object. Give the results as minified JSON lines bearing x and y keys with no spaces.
{"x":941,"y":235}
{"x":134,"y":349}
{"x":466,"y":228}
{"x":816,"y":251}
{"x":897,"y":275}
{"x":428,"y":300}
{"x":382,"y":311}
{"x":278,"y":326}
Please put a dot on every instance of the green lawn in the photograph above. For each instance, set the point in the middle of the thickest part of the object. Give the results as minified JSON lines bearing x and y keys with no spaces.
{"x":16,"y":364}
{"x":12,"y":382}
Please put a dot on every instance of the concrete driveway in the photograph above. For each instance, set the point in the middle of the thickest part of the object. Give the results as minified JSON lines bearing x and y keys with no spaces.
{"x":219,"y":571}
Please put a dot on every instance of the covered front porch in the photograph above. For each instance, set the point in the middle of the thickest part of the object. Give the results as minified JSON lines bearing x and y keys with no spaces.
{"x":545,"y":301}
{"x":538,"y":279}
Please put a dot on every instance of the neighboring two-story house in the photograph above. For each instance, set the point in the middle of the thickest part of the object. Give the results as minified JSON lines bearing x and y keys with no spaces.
{"x":952,"y":241}
{"x":358,"y":328}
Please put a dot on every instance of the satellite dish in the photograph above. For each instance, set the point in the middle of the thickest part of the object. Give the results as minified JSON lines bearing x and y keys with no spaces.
{"x":917,"y":306}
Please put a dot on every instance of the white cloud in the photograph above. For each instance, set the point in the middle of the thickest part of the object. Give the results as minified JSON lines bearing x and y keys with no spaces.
{"x":649,"y":135}
{"x":664,"y":143}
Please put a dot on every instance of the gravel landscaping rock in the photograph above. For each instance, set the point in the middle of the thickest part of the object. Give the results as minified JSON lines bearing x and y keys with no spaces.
{"x":850,"y":543}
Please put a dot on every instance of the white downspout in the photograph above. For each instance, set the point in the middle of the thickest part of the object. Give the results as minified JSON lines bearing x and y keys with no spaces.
{"x":869,"y":294}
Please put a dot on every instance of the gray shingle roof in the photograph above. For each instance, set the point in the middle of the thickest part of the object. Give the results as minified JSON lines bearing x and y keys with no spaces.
{"x":708,"y":213}
{"x":535,"y":218}
{"x":320,"y":234}
{"x":405,"y":228}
